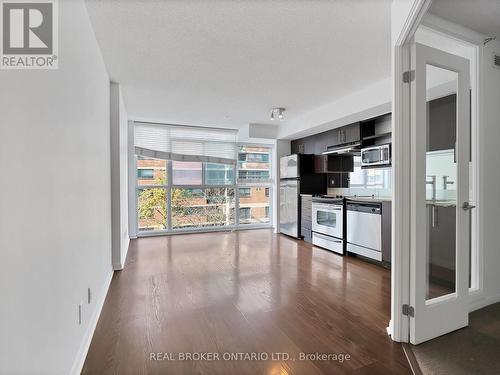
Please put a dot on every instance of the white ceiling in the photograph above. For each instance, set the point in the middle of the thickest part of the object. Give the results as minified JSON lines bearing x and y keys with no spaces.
{"x":227,"y":63}
{"x":482,"y":16}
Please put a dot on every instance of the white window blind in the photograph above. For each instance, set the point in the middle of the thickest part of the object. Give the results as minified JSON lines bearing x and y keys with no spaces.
{"x":185,"y":143}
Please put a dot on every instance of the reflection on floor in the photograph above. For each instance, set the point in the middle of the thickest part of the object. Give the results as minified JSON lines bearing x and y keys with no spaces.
{"x":471,"y":350}
{"x":244,"y":292}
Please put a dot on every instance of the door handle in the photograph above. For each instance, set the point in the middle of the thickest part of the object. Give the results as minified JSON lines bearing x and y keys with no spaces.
{"x":466,"y":206}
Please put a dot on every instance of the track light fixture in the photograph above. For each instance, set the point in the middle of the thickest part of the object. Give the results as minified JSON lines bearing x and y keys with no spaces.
{"x":277,"y":113}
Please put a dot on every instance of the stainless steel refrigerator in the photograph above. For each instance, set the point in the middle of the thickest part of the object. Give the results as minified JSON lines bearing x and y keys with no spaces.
{"x":297,"y":177}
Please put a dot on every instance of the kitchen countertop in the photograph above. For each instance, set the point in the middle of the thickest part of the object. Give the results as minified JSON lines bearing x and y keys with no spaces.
{"x":441,"y":203}
{"x":369,"y":199}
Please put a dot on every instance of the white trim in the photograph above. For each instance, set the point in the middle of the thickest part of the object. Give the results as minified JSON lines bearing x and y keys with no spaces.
{"x":400,"y":285}
{"x":480,"y":301}
{"x":132,"y":182}
{"x":417,"y":13}
{"x":401,"y":218}
{"x":226,"y":228}
{"x":89,"y":333}
{"x":451,"y":29}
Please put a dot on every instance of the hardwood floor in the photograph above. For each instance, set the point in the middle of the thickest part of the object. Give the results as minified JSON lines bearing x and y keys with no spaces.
{"x":244,"y":292}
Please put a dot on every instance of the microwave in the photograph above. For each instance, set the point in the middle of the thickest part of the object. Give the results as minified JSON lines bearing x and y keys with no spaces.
{"x":376,"y":156}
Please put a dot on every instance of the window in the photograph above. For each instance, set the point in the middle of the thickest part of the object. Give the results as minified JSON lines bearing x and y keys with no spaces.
{"x":253,"y":157}
{"x":253,"y":164}
{"x":177,"y":195}
{"x":373,"y":178}
{"x":219,"y":174}
{"x":197,"y":208}
{"x":151,"y":209}
{"x":145,"y":174}
{"x":245,"y":192}
{"x":253,"y":175}
{"x":254,"y":180}
{"x":244,"y":213}
{"x":151,"y":171}
{"x":187,"y":173}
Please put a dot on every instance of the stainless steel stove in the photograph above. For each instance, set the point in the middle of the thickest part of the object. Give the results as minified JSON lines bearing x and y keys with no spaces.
{"x":328,"y":222}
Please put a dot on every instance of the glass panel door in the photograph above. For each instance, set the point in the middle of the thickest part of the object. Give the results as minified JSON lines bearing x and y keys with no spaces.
{"x":440,"y":232}
{"x":440,"y":181}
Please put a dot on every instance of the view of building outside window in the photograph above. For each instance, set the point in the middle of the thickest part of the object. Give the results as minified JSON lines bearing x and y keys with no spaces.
{"x":204,"y":194}
{"x":254,"y":174}
{"x":151,"y":193}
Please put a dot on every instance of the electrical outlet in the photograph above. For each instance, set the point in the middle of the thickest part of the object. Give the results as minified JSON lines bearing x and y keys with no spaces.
{"x":89,"y":295}
{"x":80,"y":313}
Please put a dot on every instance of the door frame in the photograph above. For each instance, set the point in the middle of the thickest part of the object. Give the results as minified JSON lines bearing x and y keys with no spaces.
{"x":399,"y":326}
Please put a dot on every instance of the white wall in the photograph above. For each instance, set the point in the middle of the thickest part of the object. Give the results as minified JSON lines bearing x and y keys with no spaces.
{"x":55,"y":231}
{"x":489,"y":174}
{"x":119,"y":177}
{"x":373,"y":100}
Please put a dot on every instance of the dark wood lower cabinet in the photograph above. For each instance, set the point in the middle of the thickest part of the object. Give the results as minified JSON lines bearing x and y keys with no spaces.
{"x":306,"y":218}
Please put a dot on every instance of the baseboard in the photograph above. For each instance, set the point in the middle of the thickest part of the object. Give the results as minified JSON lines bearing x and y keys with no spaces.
{"x":123,"y":257}
{"x":77,"y":367}
{"x":481,"y":302}
{"x":412,"y":360}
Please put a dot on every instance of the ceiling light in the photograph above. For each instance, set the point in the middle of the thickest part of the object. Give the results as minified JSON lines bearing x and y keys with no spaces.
{"x":277,"y":112}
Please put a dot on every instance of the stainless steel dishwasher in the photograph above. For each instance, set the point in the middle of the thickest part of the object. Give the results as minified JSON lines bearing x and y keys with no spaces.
{"x":364,"y":229}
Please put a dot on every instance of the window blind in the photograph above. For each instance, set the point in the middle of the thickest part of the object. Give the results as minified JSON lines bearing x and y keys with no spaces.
{"x":185,"y":143}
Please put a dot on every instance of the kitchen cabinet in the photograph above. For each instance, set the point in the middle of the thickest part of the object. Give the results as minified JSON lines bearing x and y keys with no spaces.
{"x":441,"y":127}
{"x":333,"y":163}
{"x":306,"y":218}
{"x":338,"y":180}
{"x":351,"y":133}
{"x":442,"y":244}
{"x":386,"y":231}
{"x":346,"y":134}
{"x":318,"y":143}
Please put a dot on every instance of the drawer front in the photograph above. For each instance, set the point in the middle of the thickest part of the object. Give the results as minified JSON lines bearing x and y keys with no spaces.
{"x":306,"y":213}
{"x":307,"y":234}
{"x":307,"y":224}
{"x":327,"y":242}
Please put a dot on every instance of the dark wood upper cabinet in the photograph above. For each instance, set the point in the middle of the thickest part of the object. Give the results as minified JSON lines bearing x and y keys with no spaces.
{"x":333,"y":163}
{"x":352,"y":133}
{"x":337,"y":180}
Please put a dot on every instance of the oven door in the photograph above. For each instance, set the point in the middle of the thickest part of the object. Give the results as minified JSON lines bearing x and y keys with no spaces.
{"x":327,"y":219}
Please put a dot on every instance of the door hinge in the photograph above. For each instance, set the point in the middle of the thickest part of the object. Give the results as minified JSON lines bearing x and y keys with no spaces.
{"x":408,"y":76}
{"x":408,"y":310}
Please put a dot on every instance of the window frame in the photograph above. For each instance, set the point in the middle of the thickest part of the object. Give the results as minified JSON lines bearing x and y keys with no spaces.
{"x":235,"y":184}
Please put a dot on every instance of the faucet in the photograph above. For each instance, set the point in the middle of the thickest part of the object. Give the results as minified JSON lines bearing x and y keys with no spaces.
{"x":433,"y":183}
{"x":446,"y":182}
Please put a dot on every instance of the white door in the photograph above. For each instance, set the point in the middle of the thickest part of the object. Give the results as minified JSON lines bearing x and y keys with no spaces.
{"x":440,"y":231}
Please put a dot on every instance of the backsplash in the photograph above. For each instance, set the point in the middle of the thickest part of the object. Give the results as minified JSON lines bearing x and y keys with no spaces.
{"x":367,"y":182}
{"x":441,"y":164}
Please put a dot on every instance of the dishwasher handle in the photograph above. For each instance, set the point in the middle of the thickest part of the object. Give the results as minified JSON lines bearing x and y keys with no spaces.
{"x":368,"y":208}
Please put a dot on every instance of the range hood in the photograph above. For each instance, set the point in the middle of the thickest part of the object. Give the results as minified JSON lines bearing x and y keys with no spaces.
{"x":344,"y":149}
